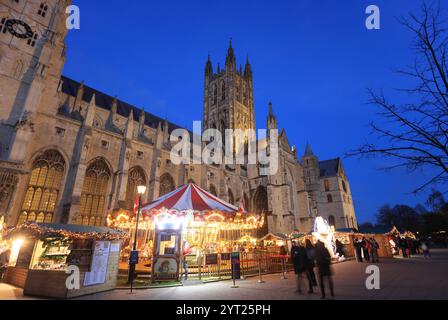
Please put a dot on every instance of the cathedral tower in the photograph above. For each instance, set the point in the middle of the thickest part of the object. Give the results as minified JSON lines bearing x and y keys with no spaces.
{"x":32,"y":55}
{"x":228,"y":95}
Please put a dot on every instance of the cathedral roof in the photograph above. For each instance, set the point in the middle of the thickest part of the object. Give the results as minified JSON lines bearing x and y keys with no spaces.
{"x":70,"y":87}
{"x":329,"y":168}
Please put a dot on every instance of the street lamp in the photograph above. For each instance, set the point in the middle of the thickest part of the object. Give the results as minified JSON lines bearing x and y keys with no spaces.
{"x":133,"y":258}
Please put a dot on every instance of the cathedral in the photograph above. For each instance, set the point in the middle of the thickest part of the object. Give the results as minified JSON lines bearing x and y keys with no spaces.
{"x":71,"y":154}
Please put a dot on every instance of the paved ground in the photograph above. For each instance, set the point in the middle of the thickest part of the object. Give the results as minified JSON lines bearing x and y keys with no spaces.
{"x":414,"y":278}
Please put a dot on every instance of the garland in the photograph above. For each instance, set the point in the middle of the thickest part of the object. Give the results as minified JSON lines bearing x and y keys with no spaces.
{"x":36,"y":231}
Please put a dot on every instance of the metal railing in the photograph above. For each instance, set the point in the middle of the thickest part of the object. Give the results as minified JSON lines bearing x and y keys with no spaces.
{"x":250,"y":264}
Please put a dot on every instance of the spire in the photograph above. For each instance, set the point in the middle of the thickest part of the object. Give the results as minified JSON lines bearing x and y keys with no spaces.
{"x":142,"y":117}
{"x":230,"y":59}
{"x":90,"y":115}
{"x":271,"y":110}
{"x":308,"y":151}
{"x":248,"y":69}
{"x":272,"y":119}
{"x":130,"y":126}
{"x":79,"y":96}
{"x":209,"y":67}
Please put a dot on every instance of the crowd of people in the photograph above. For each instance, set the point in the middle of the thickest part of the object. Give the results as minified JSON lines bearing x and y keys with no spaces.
{"x":408,"y":247}
{"x":366,"y":249}
{"x":305,"y":259}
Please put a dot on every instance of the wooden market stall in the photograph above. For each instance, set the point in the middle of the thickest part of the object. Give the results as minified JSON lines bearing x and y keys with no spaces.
{"x":63,"y":261}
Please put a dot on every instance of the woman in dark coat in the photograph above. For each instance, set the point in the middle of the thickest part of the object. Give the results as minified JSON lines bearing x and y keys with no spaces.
{"x":358,"y":249}
{"x":323,"y":261}
{"x":299,"y":259}
{"x":311,"y":255}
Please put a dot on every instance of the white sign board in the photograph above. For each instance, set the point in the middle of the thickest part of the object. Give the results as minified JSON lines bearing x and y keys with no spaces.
{"x":100,"y":259}
{"x":115,"y":247}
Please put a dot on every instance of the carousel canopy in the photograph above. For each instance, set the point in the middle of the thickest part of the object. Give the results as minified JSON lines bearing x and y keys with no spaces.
{"x":190,"y":197}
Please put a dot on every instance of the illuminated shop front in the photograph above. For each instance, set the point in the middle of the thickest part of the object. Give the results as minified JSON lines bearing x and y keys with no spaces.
{"x":42,"y":254}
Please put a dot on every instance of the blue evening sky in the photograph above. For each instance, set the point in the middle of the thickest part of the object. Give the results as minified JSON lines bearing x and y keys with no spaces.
{"x":313,"y":58}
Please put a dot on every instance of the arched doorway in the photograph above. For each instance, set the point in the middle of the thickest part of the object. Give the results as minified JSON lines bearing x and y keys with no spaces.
{"x":261,"y":206}
{"x":166,"y":184}
{"x":43,"y":188}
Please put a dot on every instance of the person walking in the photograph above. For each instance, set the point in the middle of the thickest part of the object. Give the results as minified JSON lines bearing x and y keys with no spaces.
{"x":299,"y":259}
{"x":425,"y":249}
{"x":403,"y":247}
{"x":323,"y":261}
{"x":365,"y":249}
{"x":311,"y":255}
{"x":357,"y":249}
{"x":374,"y":246}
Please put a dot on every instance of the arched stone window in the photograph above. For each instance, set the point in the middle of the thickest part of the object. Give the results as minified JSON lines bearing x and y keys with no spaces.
{"x":329,"y":198}
{"x":231,"y":197}
{"x":136,"y":178}
{"x":94,"y":193}
{"x":43,"y":188}
{"x":166,"y":184}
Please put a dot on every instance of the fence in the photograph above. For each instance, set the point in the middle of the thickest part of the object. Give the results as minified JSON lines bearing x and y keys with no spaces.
{"x":219,"y":266}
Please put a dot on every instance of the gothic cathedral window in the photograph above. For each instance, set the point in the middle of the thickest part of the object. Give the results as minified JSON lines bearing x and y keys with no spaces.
{"x":94,"y":193}
{"x":43,"y":188}
{"x":166,"y":184}
{"x":136,"y":178}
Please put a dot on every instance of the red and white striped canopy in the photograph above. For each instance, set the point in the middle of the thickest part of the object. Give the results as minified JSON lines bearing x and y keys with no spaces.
{"x":189,"y":197}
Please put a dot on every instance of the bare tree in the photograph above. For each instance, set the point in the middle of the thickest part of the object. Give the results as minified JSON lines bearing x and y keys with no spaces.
{"x":415,"y":134}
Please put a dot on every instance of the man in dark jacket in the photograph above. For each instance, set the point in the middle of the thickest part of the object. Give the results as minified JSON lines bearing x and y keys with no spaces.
{"x":300,"y":261}
{"x":323,"y":261}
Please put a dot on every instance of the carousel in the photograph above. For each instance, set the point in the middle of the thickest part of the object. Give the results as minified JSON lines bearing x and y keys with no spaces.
{"x":188,"y":222}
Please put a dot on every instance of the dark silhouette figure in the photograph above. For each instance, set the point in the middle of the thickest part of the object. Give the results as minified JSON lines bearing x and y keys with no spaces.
{"x":311,"y":255}
{"x":300,"y":261}
{"x":323,"y":261}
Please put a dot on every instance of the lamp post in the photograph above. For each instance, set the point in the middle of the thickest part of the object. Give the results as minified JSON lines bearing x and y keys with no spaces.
{"x":133,"y":258}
